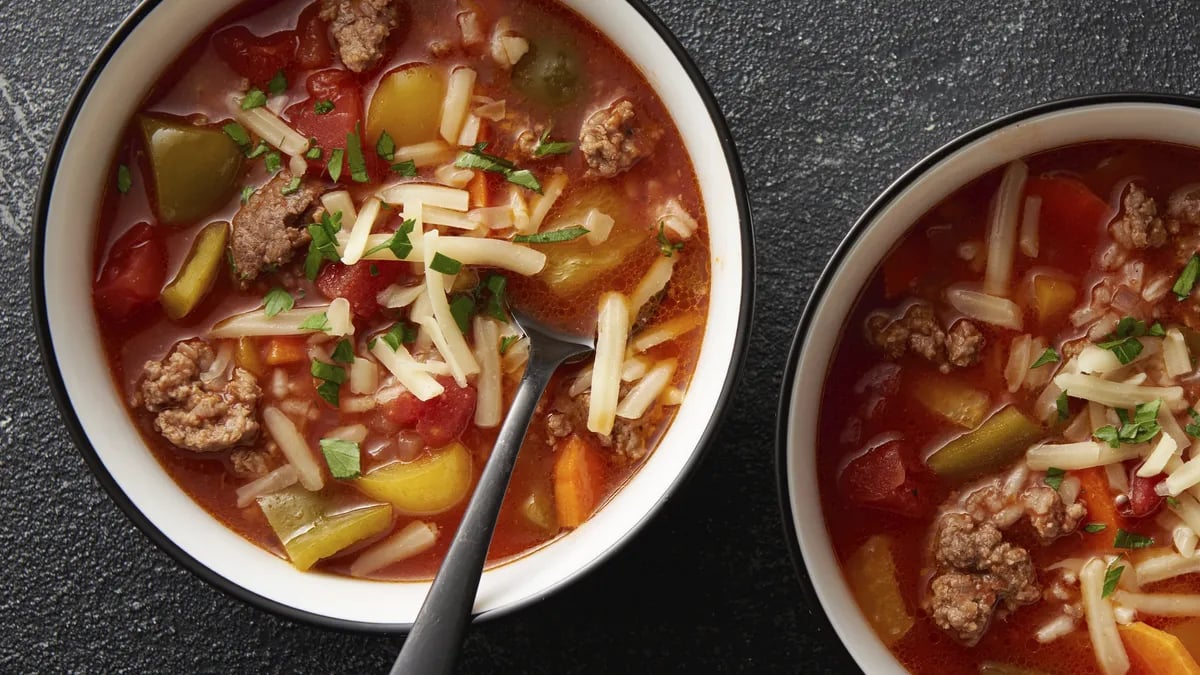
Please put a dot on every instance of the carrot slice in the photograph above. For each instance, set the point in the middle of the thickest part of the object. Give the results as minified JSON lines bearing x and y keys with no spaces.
{"x":578,"y":481}
{"x":1102,"y":509}
{"x":285,"y":350}
{"x":1157,"y":651}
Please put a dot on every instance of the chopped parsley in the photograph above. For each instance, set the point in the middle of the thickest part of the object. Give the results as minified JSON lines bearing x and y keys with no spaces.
{"x":1054,"y":478}
{"x":323,"y":107}
{"x":292,"y":187}
{"x":247,"y":193}
{"x":665,"y":245}
{"x":316,"y":322}
{"x":273,"y":162}
{"x":1060,"y":404}
{"x":255,"y":98}
{"x":278,"y":300}
{"x":1112,"y":576}
{"x":238,"y":134}
{"x":445,"y":264}
{"x":497,"y":285}
{"x":343,"y":458}
{"x":1193,"y":429}
{"x":354,"y":157}
{"x":545,"y":146}
{"x":335,"y":164}
{"x":1187,"y":278}
{"x":553,"y":236}
{"x":1094,"y":528}
{"x":257,"y":151}
{"x":1125,"y":539}
{"x":1172,"y":501}
{"x":314,"y":152}
{"x":461,"y":308}
{"x":1048,"y":356}
{"x":331,"y":377}
{"x":399,"y":243}
{"x":323,"y":244}
{"x":1143,"y":427}
{"x":343,"y":352}
{"x":476,"y":158}
{"x":1124,"y":342}
{"x":373,"y":269}
{"x":506,"y":342}
{"x":400,"y":333}
{"x":278,"y":84}
{"x":407,"y":168}
{"x":385,"y":147}
{"x":124,"y":179}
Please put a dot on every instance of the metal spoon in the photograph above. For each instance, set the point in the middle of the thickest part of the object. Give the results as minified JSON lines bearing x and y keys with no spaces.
{"x":434,"y":643}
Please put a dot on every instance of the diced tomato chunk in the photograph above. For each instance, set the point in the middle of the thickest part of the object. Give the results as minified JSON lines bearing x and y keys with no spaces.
{"x":360,"y":283}
{"x":1071,"y":218}
{"x":256,"y":58}
{"x":439,"y":420}
{"x":340,"y":88}
{"x":886,"y":477}
{"x":1143,"y":500}
{"x":134,"y":273}
{"x":314,"y":51}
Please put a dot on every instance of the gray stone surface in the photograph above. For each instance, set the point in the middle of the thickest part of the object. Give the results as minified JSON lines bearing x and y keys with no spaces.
{"x":828,"y":101}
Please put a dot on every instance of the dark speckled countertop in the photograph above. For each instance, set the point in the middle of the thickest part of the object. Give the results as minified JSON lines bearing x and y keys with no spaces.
{"x":828,"y":102}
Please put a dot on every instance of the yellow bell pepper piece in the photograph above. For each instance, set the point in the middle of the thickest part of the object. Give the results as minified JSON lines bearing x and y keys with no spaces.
{"x":308,"y":529}
{"x":195,"y":169}
{"x":408,"y":105}
{"x":872,"y":576}
{"x":426,"y":487}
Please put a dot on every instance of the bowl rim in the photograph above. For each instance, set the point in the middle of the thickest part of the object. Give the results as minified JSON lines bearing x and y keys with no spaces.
{"x":833,"y":267}
{"x":158,"y":538}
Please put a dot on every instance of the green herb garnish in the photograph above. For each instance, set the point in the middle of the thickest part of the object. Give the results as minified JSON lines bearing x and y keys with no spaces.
{"x":247,"y":193}
{"x":258,"y":151}
{"x":314,"y":152}
{"x":343,"y":352}
{"x":323,"y":107}
{"x":124,"y":179}
{"x":1193,"y":429}
{"x":507,"y":342}
{"x":399,"y":243}
{"x":331,"y":377}
{"x":316,"y":322}
{"x":445,"y":264}
{"x":278,"y":300}
{"x":545,"y":146}
{"x":1126,"y":539}
{"x":292,"y":187}
{"x":1187,"y":278}
{"x":1060,"y":405}
{"x":400,"y":333}
{"x":407,"y":168}
{"x":476,"y":158}
{"x":1054,"y":478}
{"x":254,"y":98}
{"x":665,"y":245}
{"x":1048,"y":356}
{"x":1112,"y":576}
{"x":461,"y":308}
{"x":497,"y":285}
{"x":335,"y":164}
{"x":323,"y":245}
{"x":385,"y":147}
{"x":278,"y":84}
{"x":343,"y":458}
{"x":1143,"y":427}
{"x":552,"y":237}
{"x":1093,"y":528}
{"x":238,"y":134}
{"x":273,"y":162}
{"x":354,"y":157}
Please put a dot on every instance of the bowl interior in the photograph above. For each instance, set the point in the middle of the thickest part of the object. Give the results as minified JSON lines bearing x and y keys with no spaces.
{"x":160,"y":29}
{"x":1147,"y":118}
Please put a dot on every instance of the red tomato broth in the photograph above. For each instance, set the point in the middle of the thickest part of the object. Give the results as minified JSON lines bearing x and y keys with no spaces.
{"x":186,"y":91}
{"x":865,"y":399}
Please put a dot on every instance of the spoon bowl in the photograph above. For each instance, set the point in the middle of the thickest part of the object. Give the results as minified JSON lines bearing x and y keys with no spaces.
{"x":433,"y":645}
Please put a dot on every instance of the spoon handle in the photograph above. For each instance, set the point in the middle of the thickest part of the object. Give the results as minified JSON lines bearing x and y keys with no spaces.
{"x":434,"y":643}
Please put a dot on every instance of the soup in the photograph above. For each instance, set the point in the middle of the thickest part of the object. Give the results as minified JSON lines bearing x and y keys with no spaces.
{"x":317,"y":221}
{"x":1007,"y":441}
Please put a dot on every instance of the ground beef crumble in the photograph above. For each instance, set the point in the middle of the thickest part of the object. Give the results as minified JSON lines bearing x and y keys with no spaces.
{"x":978,"y":572}
{"x":1139,"y":226}
{"x":360,"y":29}
{"x":569,"y":414}
{"x":271,"y":227}
{"x":613,"y":139}
{"x":919,"y":332}
{"x":193,"y":414}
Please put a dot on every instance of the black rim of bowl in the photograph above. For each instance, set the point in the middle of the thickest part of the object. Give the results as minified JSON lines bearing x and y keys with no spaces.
{"x":834,"y":266}
{"x":75,"y":429}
